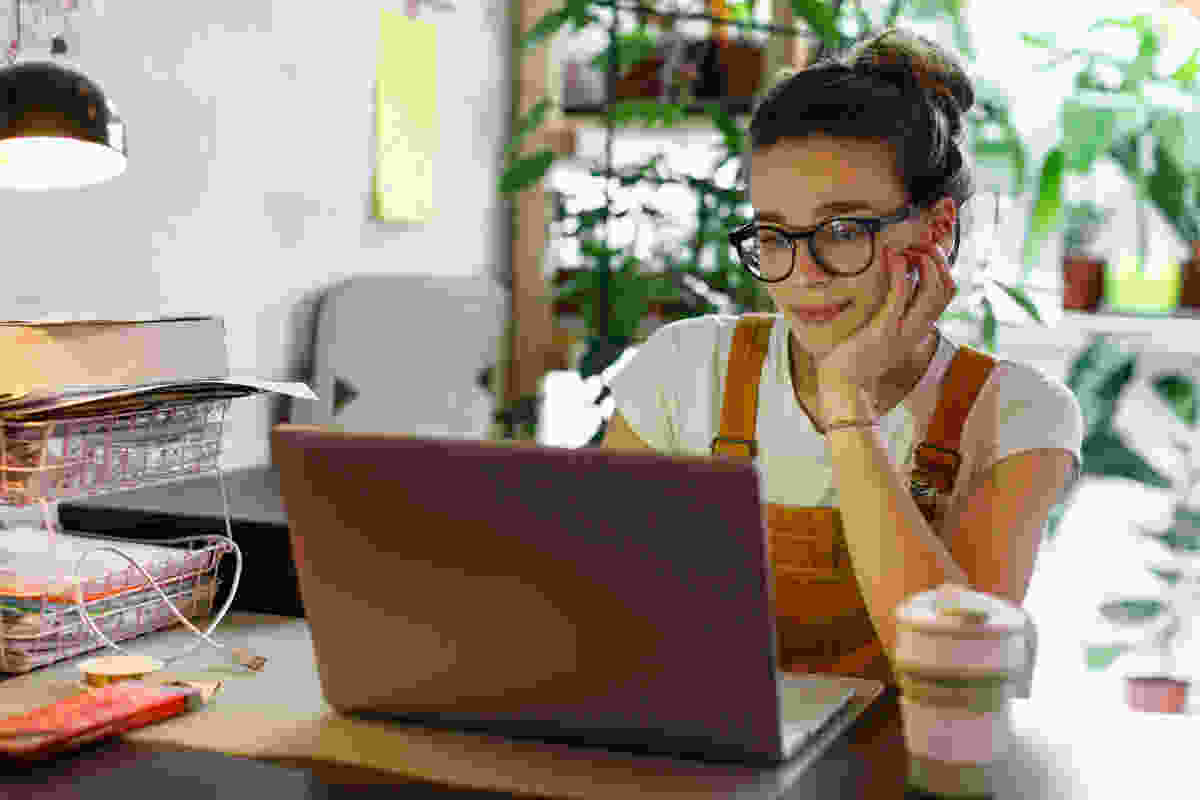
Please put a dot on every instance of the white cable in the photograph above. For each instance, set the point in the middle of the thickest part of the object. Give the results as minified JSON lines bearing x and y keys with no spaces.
{"x":204,"y":637}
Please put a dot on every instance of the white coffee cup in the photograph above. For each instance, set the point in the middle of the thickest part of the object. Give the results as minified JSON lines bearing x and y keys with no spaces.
{"x":959,"y":655}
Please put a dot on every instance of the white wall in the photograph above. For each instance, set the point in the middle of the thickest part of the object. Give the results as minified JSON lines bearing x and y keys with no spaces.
{"x":251,"y":143}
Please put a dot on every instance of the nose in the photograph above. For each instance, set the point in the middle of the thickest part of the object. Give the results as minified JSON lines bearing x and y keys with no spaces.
{"x":807,"y":270}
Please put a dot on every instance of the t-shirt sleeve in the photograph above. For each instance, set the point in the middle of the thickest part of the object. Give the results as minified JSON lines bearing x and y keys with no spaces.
{"x":1034,"y":410}
{"x":644,"y":388}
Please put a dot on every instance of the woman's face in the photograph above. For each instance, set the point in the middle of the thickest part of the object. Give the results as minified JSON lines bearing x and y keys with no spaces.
{"x":793,"y":181}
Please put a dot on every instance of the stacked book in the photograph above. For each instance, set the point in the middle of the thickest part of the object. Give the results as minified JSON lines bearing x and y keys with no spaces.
{"x":69,"y":368}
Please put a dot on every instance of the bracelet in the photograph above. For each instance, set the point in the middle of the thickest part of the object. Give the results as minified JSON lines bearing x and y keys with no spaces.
{"x":852,"y":423}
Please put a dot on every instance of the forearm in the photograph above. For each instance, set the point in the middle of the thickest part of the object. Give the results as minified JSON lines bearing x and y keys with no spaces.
{"x":894,"y":551}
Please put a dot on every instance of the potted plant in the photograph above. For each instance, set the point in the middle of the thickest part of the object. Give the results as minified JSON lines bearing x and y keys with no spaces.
{"x":1083,"y":268}
{"x":639,"y":63}
{"x":1165,"y":621}
{"x":1146,"y":133}
{"x":741,"y":59}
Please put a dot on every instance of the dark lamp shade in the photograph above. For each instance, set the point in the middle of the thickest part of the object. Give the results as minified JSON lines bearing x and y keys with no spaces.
{"x":57,"y":129}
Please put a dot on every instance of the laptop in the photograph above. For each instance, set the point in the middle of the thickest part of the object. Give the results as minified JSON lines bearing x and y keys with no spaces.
{"x":582,"y":596}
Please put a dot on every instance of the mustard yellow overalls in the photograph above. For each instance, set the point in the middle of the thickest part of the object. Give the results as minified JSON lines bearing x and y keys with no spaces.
{"x":822,"y":623}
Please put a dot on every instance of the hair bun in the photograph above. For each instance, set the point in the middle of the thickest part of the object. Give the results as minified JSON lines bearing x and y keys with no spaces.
{"x":913,"y":62}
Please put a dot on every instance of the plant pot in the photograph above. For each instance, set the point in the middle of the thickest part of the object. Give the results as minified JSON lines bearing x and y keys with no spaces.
{"x":1156,"y":693}
{"x":1189,"y":292}
{"x":742,"y":63}
{"x":1157,"y":291}
{"x":1083,"y":282}
{"x":642,"y":82}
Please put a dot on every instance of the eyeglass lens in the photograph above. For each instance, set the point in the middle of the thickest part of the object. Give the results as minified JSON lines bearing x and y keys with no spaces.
{"x":842,"y":246}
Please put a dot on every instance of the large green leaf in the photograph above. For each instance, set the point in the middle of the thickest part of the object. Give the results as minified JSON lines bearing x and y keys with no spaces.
{"x":1105,"y":454}
{"x":1087,"y":134}
{"x":1148,"y":48}
{"x":819,"y":17}
{"x":1099,"y":376}
{"x":545,"y":28}
{"x":987,"y":329}
{"x":1178,"y":393}
{"x":1048,"y":208}
{"x":1021,"y":298}
{"x":1133,"y":611}
{"x":1179,"y":134}
{"x":1102,"y":656}
{"x":526,"y":171}
{"x":1172,"y":191}
{"x":734,"y":139}
{"x":1129,"y":110}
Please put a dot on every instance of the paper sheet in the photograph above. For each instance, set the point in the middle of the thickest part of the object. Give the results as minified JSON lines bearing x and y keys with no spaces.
{"x":406,"y":118}
{"x":103,"y":398}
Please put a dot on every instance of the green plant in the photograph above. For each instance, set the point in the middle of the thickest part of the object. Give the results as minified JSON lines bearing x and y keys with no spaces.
{"x":629,"y":48}
{"x":1164,"y":618}
{"x":1151,"y":136}
{"x":1099,"y":376}
{"x":1084,"y":221}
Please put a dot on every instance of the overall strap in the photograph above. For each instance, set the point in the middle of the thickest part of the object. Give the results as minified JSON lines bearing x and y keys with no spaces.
{"x":937,"y":459}
{"x":739,"y":408}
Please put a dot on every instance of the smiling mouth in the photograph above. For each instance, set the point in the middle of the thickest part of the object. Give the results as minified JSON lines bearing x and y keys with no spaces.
{"x":819,"y":312}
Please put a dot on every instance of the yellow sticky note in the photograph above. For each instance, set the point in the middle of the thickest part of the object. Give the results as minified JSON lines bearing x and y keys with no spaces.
{"x":406,"y":118}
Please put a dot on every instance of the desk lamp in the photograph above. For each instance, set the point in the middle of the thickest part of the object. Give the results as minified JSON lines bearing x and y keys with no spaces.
{"x":57,"y":128}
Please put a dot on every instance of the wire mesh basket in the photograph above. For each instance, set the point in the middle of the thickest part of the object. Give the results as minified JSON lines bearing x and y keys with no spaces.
{"x":86,"y":456}
{"x":39,"y":619}
{"x":48,"y":461}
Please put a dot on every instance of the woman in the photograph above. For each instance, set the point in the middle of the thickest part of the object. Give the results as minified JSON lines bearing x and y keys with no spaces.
{"x":857,"y":179}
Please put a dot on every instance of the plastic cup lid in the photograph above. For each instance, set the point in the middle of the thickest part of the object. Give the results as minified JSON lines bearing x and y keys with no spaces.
{"x":952,"y":607}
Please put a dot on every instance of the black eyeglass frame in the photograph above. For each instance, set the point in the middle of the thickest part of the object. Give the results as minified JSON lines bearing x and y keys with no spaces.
{"x":873,"y":224}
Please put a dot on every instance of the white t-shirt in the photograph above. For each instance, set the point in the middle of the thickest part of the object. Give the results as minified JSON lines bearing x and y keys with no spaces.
{"x":671,"y":392}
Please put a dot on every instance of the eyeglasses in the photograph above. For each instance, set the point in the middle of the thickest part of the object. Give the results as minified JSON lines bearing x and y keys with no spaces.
{"x":842,"y":246}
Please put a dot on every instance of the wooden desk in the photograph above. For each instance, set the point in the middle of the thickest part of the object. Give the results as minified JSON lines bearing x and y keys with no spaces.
{"x":279,"y":716}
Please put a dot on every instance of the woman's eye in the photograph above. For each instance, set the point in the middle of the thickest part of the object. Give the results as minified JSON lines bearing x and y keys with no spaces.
{"x":845,"y":231}
{"x":772,"y":239}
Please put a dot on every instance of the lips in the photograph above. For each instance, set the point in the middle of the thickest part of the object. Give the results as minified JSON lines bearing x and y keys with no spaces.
{"x":819,"y":311}
{"x":820,"y":315}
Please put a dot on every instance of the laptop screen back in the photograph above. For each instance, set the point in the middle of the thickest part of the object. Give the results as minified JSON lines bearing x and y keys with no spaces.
{"x":586,"y":595}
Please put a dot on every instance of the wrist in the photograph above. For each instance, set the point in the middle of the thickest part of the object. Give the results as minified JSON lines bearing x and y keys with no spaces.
{"x":843,"y":401}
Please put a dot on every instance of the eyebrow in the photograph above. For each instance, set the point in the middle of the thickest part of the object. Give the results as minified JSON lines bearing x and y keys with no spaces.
{"x":825,"y":208}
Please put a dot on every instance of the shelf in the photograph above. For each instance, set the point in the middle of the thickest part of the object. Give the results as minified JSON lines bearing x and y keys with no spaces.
{"x":593,"y":116}
{"x":1174,"y":333}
